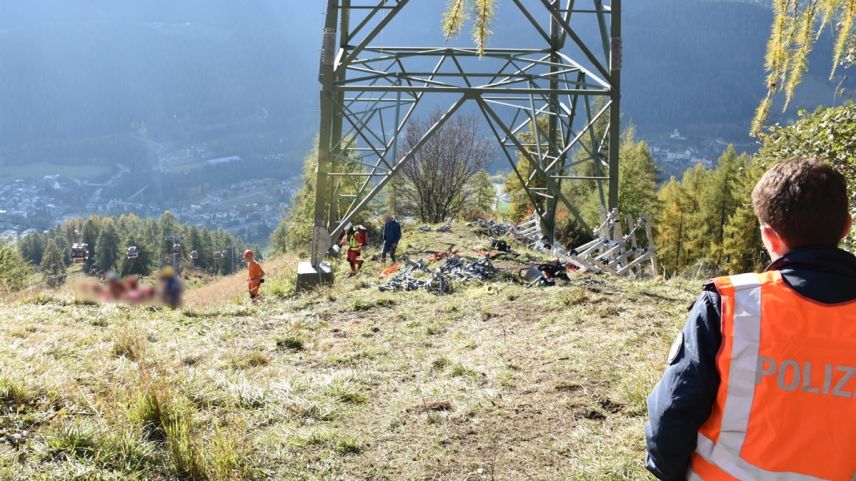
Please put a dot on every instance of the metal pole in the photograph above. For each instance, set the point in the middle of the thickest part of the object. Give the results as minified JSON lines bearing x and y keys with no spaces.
{"x":327,"y":79}
{"x":548,"y":222}
{"x":336,"y":135}
{"x":615,"y":109}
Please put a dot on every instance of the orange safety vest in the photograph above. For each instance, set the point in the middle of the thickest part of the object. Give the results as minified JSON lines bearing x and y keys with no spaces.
{"x":786,"y":405}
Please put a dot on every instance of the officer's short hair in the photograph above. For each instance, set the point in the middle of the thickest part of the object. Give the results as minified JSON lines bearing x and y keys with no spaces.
{"x":805,"y":201}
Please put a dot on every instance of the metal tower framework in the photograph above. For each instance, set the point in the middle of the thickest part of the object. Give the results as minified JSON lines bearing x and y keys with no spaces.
{"x":541,"y":104}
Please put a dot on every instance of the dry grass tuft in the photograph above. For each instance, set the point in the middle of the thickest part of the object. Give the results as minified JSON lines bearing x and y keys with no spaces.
{"x":129,"y":341}
{"x":251,"y":359}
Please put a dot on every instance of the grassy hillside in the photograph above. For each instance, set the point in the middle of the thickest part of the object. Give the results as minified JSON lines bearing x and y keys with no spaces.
{"x":494,"y":381}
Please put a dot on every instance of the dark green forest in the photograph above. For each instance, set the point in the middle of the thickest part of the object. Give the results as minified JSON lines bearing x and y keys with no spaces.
{"x":109,"y":240}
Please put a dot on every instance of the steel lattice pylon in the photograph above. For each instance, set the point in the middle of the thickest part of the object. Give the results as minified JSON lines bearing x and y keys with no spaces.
{"x":567,"y":93}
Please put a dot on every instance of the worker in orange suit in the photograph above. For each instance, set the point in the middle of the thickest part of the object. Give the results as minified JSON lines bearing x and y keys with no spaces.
{"x":355,"y":238}
{"x":761,"y":382}
{"x":255,"y":274}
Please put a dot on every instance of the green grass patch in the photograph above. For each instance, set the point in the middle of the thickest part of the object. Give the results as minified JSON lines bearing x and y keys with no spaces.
{"x":347,"y":392}
{"x":18,"y":396}
{"x":291,"y":341}
{"x":367,"y":305}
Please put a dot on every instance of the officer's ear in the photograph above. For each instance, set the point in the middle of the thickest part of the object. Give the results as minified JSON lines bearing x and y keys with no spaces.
{"x":776,"y":246}
{"x":847,"y":226}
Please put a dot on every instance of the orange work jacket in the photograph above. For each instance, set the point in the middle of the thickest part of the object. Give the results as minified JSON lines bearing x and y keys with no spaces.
{"x":254,"y":272}
{"x":786,"y":405}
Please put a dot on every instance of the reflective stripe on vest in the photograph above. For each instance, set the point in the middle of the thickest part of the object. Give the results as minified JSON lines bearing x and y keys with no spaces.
{"x":353,"y":244}
{"x":764,"y":417}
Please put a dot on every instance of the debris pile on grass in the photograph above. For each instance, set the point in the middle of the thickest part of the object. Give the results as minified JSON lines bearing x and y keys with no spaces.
{"x":492,"y":228}
{"x":457,"y":268}
{"x":545,"y":275}
{"x":415,"y":276}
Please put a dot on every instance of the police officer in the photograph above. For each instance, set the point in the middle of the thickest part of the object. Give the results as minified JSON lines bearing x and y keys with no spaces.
{"x":761,"y":382}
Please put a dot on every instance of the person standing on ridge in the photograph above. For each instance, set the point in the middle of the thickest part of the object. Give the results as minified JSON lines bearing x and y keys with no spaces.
{"x":391,"y":237}
{"x":255,"y":275}
{"x":761,"y":381}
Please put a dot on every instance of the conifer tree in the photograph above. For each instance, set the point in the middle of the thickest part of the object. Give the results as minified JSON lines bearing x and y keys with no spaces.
{"x":671,"y":231}
{"x":32,"y":247}
{"x":484,"y":192}
{"x":207,"y":252}
{"x":52,"y":266}
{"x":194,"y":241}
{"x":717,"y":201}
{"x":169,"y":226}
{"x":142,"y":264}
{"x":13,"y":268}
{"x":742,"y":249}
{"x":697,"y":240}
{"x":90,"y":235}
{"x":107,"y":255}
{"x":637,"y":187}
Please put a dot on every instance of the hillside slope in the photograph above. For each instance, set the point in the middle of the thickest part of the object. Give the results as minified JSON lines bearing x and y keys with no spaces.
{"x":494,"y":381}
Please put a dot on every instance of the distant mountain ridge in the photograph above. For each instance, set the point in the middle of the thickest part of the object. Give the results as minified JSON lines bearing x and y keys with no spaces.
{"x":88,"y":79}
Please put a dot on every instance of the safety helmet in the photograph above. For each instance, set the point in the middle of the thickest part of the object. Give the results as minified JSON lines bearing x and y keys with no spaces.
{"x":168,"y":271}
{"x":248,"y":254}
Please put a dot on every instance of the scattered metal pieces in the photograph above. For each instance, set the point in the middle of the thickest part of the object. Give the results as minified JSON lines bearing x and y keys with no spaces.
{"x":545,"y":275}
{"x":493,"y":228}
{"x":457,"y":268}
{"x":417,"y":275}
{"x":610,"y":252}
{"x":447,"y":228}
{"x":501,"y":246}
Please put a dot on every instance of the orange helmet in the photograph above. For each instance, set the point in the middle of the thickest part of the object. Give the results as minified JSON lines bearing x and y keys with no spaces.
{"x":248,"y":254}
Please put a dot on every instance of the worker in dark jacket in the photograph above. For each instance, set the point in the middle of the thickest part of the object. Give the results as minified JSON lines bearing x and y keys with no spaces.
{"x":391,"y":238}
{"x":803,"y":211}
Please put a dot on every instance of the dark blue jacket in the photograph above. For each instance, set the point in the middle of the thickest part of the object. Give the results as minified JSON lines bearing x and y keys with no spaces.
{"x":682,"y":400}
{"x":392,"y":232}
